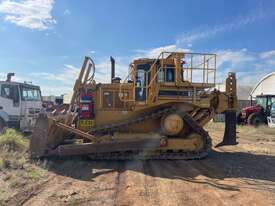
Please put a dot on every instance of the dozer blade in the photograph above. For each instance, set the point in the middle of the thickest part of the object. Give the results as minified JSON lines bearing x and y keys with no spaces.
{"x":46,"y":135}
{"x":38,"y":142}
{"x":229,"y":137}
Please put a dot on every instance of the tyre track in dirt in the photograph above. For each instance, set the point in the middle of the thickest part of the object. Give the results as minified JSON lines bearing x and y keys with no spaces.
{"x":232,"y":191}
{"x":66,"y":190}
{"x":118,"y":186}
{"x":249,"y":172}
{"x":133,"y":185}
{"x":178,"y":186}
{"x":22,"y":197}
{"x":151,"y":189}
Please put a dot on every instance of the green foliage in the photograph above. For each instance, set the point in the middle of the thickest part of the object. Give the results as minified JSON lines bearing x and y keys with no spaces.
{"x":34,"y":173}
{"x":13,"y":140}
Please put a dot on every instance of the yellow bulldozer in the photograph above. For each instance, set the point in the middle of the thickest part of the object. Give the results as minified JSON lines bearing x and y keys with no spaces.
{"x":157,"y":112}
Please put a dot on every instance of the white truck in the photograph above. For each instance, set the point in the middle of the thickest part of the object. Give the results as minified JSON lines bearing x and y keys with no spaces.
{"x":20,"y":104}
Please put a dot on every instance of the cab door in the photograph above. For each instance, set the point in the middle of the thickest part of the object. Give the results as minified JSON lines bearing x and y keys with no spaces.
{"x":142,"y":81}
{"x":10,"y":101}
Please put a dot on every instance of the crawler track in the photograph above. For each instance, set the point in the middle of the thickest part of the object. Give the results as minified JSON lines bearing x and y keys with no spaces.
{"x":162,"y":155}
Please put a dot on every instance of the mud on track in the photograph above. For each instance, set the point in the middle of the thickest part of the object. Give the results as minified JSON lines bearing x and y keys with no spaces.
{"x":233,"y":175}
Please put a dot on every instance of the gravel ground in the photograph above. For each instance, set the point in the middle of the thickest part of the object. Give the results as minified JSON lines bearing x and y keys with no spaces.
{"x":231,"y":175}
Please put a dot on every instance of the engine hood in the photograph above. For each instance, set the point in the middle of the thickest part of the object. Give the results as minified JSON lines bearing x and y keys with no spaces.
{"x":253,"y":108}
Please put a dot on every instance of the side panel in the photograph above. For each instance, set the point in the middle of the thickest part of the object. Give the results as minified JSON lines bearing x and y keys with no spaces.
{"x":29,"y":113}
{"x":10,"y":104}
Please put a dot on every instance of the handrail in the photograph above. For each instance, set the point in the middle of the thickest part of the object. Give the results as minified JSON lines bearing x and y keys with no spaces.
{"x":155,"y":76}
{"x":121,"y":85}
{"x":207,"y":66}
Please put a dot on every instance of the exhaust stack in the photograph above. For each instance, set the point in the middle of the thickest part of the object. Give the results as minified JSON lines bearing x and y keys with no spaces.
{"x":113,"y":68}
{"x":9,"y":75}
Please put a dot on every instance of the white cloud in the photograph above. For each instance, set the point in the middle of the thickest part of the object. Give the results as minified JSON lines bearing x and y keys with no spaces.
{"x":155,"y":52}
{"x":32,"y":14}
{"x":54,"y":89}
{"x":92,"y":52}
{"x":268,"y":54}
{"x":249,"y":66}
{"x":191,"y":37}
{"x":67,"y":76}
{"x":234,"y":57}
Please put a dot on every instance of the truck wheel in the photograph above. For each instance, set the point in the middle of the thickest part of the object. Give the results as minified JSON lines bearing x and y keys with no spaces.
{"x":2,"y":125}
{"x":256,"y":119}
{"x":239,"y":119}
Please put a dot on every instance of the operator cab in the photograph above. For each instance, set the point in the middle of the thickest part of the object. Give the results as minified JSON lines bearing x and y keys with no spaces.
{"x":265,"y":101}
{"x":148,"y":73}
{"x":173,"y":75}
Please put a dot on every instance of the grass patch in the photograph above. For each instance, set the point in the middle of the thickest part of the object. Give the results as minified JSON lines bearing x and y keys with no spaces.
{"x":12,"y":160}
{"x":34,"y":173}
{"x":13,"y":141}
{"x":17,"y":171}
{"x":13,"y":147}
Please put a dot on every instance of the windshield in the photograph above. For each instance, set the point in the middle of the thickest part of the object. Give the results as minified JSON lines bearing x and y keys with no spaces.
{"x":30,"y":94}
{"x":261,"y":101}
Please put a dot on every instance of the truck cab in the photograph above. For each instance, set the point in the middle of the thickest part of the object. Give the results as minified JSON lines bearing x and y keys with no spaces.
{"x":20,"y":104}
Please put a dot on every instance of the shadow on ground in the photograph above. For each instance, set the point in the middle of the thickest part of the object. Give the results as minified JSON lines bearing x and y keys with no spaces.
{"x":218,"y":165}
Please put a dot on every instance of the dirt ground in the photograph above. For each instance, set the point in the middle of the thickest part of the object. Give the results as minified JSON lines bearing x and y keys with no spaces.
{"x":231,"y":175}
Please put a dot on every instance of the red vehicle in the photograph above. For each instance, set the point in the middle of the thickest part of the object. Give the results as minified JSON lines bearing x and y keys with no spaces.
{"x":257,"y":114}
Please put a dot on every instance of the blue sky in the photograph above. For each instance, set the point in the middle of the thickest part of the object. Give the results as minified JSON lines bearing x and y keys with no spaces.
{"x":45,"y":41}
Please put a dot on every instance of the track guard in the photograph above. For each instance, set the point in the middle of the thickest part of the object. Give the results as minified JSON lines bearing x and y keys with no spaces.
{"x":229,"y":137}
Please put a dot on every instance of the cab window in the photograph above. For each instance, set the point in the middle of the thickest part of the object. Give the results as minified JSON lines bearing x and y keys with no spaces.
{"x":166,"y":74}
{"x":30,"y":94}
{"x":10,"y":92}
{"x":170,"y":74}
{"x":261,"y":101}
{"x":160,"y":77}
